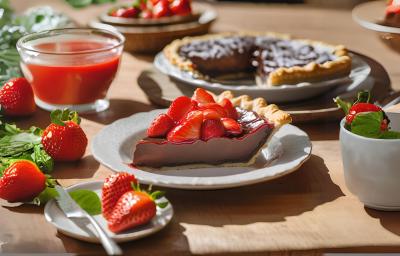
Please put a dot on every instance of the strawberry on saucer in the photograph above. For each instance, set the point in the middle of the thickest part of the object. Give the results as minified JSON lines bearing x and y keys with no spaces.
{"x":209,"y":130}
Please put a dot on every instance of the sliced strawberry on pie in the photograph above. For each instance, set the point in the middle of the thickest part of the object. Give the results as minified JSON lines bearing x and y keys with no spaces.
{"x":160,"y":126}
{"x":211,"y":114}
{"x":180,"y":107}
{"x":229,"y":108}
{"x":202,"y":96}
{"x":214,"y":106}
{"x":212,"y":128}
{"x":189,"y":128}
{"x":232,"y":127}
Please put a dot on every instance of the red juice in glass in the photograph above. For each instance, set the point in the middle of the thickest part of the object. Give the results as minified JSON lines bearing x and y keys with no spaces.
{"x":73,"y":68}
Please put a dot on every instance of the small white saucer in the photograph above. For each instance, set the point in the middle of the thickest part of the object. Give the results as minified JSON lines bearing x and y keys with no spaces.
{"x":82,"y":229}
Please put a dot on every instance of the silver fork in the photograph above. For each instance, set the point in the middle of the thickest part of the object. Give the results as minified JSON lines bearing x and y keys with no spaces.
{"x":73,"y":210}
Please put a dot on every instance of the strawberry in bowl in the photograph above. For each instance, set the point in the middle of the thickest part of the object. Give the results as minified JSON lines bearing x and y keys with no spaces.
{"x":366,"y":119}
{"x":210,"y":130}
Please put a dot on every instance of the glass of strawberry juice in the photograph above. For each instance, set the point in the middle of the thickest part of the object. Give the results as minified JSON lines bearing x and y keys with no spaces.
{"x":71,"y":68}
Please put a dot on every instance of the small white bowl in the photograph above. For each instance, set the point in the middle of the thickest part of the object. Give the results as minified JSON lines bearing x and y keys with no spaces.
{"x":372,"y":168}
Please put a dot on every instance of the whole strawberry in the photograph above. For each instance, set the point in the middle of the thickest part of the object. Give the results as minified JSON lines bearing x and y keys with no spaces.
{"x":114,"y":187}
{"x":16,"y":98}
{"x":64,"y":139}
{"x":21,"y":181}
{"x":134,"y":208}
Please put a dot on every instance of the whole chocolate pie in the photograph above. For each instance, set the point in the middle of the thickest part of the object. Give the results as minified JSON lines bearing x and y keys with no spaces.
{"x":209,"y":130}
{"x":274,"y":59}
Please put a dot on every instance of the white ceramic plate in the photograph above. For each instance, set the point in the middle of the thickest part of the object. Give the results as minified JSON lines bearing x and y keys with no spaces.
{"x":83,"y":230}
{"x":279,"y":94}
{"x":113,"y":147}
{"x":371,"y":16}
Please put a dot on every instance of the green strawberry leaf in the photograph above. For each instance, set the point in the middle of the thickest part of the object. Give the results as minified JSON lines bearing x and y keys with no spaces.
{"x":162,"y":205}
{"x":157,"y":194}
{"x":363,"y":97}
{"x":344,"y":105}
{"x":88,"y":200}
{"x":60,"y":116}
{"x":367,"y":124}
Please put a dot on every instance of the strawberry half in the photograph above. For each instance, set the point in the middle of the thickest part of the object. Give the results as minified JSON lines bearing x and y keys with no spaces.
{"x":229,"y":108}
{"x":21,"y":181}
{"x":180,"y":107}
{"x":189,"y":129}
{"x":214,"y":106}
{"x":134,"y":208}
{"x":64,"y":139}
{"x":202,"y":96}
{"x":232,"y":127}
{"x":114,"y":187}
{"x":212,"y":128}
{"x":211,"y":114}
{"x":160,"y":126}
{"x":16,"y":98}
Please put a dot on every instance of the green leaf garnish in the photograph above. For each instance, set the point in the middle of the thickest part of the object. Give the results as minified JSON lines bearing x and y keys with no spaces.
{"x":368,"y":124}
{"x":344,"y":105}
{"x":88,"y":200}
{"x":42,"y":159}
{"x":162,"y":205}
{"x":363,"y":97}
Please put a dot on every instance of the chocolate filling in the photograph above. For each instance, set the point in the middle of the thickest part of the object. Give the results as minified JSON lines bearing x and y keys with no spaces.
{"x":251,"y":54}
{"x":155,"y":152}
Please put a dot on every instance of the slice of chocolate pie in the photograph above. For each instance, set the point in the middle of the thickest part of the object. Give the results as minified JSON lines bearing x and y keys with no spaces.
{"x":274,"y":59}
{"x":209,"y":130}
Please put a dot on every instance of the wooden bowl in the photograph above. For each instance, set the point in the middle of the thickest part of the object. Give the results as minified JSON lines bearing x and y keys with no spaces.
{"x":151,"y":39}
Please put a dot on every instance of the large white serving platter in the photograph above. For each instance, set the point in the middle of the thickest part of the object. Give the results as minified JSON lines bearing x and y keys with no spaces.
{"x":360,"y":71}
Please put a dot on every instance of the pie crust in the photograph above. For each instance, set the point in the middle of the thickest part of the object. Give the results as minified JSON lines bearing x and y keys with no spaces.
{"x":271,"y":112}
{"x":311,"y":72}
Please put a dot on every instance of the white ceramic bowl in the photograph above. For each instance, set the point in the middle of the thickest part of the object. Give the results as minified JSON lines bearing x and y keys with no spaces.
{"x":372,"y":168}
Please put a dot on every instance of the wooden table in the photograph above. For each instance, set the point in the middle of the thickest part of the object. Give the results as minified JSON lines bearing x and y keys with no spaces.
{"x":310,"y":210}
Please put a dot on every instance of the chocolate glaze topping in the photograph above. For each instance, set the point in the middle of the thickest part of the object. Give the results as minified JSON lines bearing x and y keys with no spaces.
{"x":261,"y":54}
{"x":217,"y":49}
{"x":272,"y":53}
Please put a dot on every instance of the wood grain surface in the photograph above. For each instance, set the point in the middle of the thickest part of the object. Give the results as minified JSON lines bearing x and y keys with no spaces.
{"x":309,"y":211}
